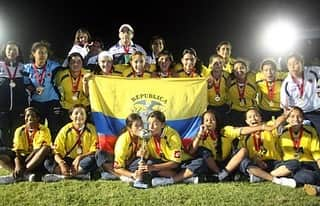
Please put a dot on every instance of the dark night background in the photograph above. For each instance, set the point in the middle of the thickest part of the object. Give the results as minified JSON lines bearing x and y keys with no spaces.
{"x":198,"y":24}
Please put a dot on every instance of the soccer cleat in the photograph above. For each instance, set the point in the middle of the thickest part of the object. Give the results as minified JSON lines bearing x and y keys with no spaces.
{"x":53,"y":178}
{"x":192,"y":180}
{"x":289,"y":182}
{"x":161,"y":181}
{"x":312,"y":190}
{"x":126,"y":179}
{"x":8,"y":179}
{"x":255,"y":179}
{"x":108,"y":176}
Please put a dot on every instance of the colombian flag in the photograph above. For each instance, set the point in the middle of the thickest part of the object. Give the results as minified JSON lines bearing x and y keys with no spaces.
{"x":112,"y":99}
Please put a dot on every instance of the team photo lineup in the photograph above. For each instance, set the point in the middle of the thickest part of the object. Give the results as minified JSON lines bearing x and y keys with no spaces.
{"x":147,"y":119}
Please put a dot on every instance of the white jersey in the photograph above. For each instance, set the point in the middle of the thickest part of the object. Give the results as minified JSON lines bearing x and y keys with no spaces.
{"x":120,"y":55}
{"x":305,"y":93}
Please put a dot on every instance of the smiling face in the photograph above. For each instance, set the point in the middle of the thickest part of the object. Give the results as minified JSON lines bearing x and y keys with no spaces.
{"x":12,"y":52}
{"x":31,"y":118}
{"x":295,"y":118}
{"x":105,"y":64}
{"x":138,"y":63}
{"x":253,"y":118}
{"x":164,"y":62}
{"x":216,"y":67}
{"x":78,"y":117}
{"x":240,"y":70}
{"x":209,"y":120}
{"x":75,"y":64}
{"x":224,"y":51}
{"x":189,"y":62}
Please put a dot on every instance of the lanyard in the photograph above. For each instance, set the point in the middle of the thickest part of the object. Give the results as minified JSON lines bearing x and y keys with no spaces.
{"x":79,"y":135}
{"x":296,"y":142}
{"x":11,"y":76}
{"x":271,"y":88}
{"x":126,"y":49}
{"x":157,"y":141}
{"x":257,"y":141}
{"x":216,"y":85}
{"x":30,"y":135}
{"x":241,"y":90}
{"x":39,"y":77}
{"x":300,"y":86}
{"x":75,"y":84}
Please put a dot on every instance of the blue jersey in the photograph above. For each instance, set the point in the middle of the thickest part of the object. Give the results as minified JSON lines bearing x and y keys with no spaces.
{"x":37,"y":78}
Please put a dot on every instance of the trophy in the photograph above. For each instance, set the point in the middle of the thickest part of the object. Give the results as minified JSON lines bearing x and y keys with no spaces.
{"x":142,"y":183}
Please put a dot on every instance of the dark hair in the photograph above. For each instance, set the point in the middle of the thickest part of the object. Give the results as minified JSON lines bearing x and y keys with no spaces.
{"x":252,"y":109}
{"x":33,"y":109}
{"x":268,"y":62}
{"x":214,"y":56}
{"x":158,"y":115}
{"x":39,"y":44}
{"x":77,"y":106}
{"x":209,"y":111}
{"x":81,"y":31}
{"x":297,"y":57}
{"x":223,"y":43}
{"x":129,"y":122}
{"x":193,"y":52}
{"x":3,"y":51}
{"x":298,"y":109}
{"x":75,"y":54}
{"x":157,"y":37}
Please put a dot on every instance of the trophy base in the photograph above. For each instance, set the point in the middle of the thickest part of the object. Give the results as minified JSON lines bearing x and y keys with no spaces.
{"x":140,"y":185}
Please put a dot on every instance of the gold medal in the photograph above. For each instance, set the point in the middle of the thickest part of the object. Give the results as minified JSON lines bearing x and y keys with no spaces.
{"x":242,"y":103}
{"x":74,"y":97}
{"x":271,"y":104}
{"x":217,"y":98}
{"x":12,"y":84}
{"x":39,"y":90}
{"x":79,"y":150}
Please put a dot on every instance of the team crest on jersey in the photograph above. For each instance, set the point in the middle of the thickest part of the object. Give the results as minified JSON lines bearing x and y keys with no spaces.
{"x":143,"y":104}
{"x":177,"y":154}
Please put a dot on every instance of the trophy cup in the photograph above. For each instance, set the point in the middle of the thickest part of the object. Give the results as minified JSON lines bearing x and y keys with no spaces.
{"x":142,"y":183}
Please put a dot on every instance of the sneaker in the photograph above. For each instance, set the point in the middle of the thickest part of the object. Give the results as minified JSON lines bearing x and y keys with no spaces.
{"x":8,"y":179}
{"x":312,"y":190}
{"x":223,"y":175}
{"x":192,"y":180}
{"x":53,"y":178}
{"x":161,"y":181}
{"x":289,"y":182}
{"x":29,"y":177}
{"x":108,"y":176}
{"x":255,"y":179}
{"x":83,"y":176}
{"x":140,"y":184}
{"x":126,"y":179}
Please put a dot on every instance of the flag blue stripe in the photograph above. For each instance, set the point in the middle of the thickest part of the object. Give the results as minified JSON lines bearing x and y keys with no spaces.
{"x":187,"y":128}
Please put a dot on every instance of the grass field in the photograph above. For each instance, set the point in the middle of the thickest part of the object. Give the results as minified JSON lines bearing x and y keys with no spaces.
{"x":81,"y":193}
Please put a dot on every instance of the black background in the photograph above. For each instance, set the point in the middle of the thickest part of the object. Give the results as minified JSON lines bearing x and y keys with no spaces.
{"x":197,"y":24}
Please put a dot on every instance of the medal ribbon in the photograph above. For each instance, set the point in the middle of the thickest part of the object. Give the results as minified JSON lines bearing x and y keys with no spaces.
{"x":39,"y":78}
{"x":271,"y":88}
{"x":216,"y":85}
{"x":11,"y":77}
{"x":257,"y":141}
{"x":241,"y":91}
{"x":158,"y":145}
{"x":296,"y":142}
{"x":75,"y":85}
{"x":300,"y":86}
